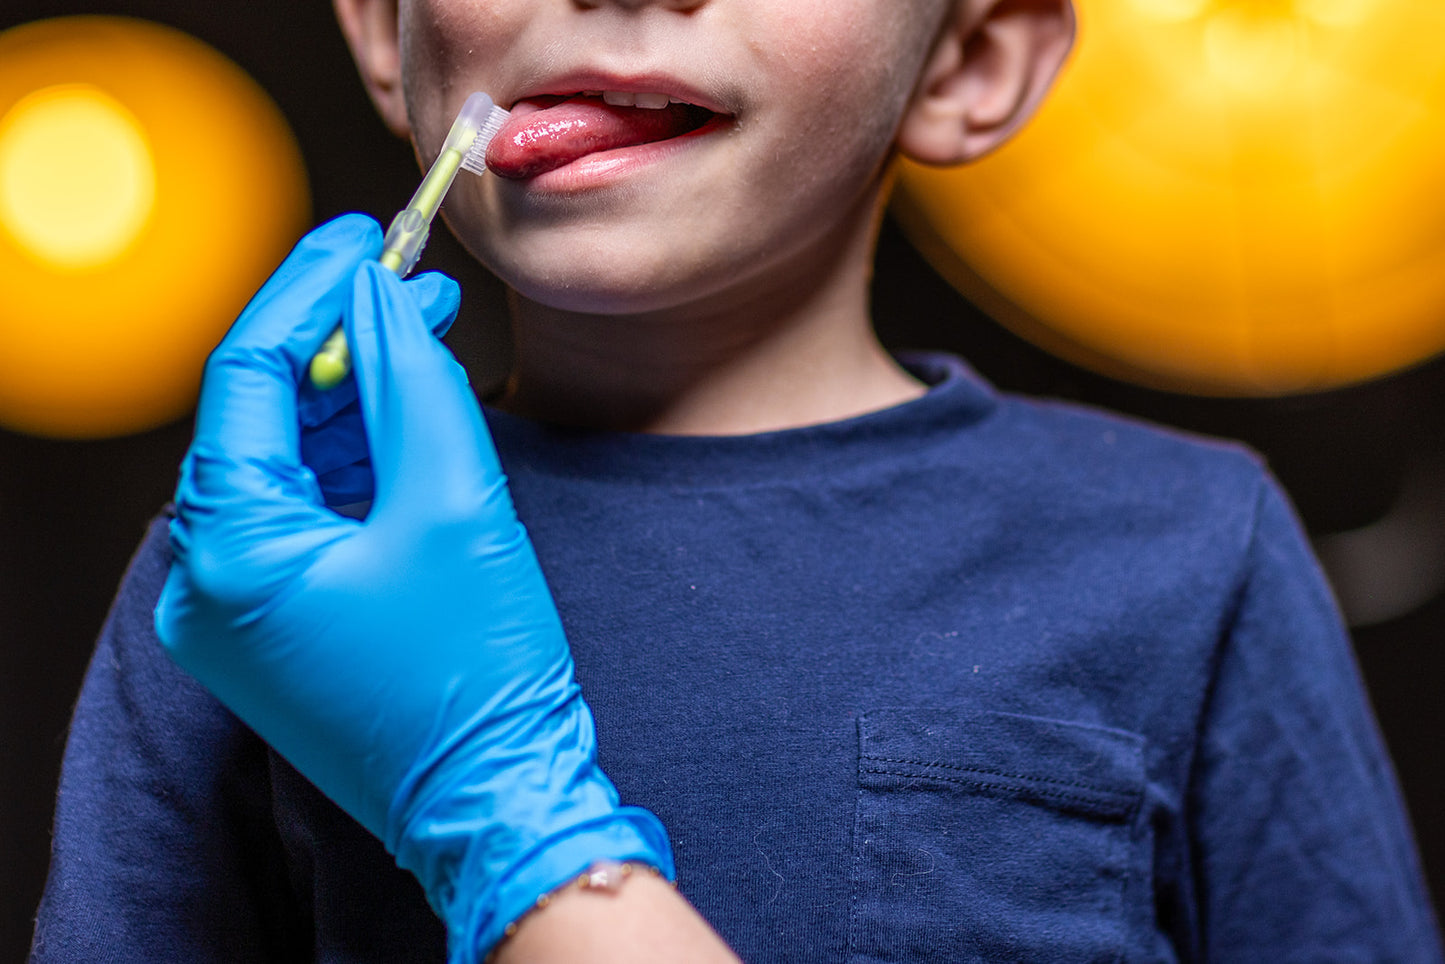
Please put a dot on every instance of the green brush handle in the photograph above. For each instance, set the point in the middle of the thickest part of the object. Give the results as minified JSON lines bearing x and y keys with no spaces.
{"x":400,"y":252}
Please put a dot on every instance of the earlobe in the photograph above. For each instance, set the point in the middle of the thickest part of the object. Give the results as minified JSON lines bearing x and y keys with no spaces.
{"x":371,"y":30}
{"x":987,"y":75}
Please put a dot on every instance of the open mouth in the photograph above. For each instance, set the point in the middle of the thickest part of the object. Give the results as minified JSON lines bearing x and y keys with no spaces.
{"x":545,"y":133}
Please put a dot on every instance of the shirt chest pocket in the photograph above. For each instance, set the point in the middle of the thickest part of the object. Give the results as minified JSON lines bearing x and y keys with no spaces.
{"x":993,"y":837}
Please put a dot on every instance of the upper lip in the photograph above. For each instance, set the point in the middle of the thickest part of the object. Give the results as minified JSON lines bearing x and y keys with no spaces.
{"x":575,"y":82}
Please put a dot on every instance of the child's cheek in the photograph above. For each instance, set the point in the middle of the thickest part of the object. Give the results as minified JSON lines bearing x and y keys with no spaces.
{"x":847,"y":73}
{"x":445,"y":46}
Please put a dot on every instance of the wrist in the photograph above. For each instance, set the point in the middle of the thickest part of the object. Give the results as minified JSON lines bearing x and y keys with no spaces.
{"x":631,"y":836}
{"x":484,"y":850}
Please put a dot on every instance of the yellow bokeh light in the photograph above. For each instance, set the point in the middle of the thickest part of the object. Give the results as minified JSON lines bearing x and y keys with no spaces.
{"x":147,"y":188}
{"x":1250,"y":51}
{"x":1222,"y":196}
{"x":77,"y":181}
{"x":1171,"y":10}
{"x":1339,"y":14}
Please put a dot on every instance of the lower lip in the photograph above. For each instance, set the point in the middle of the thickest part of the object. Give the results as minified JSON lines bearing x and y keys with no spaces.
{"x":606,"y":168}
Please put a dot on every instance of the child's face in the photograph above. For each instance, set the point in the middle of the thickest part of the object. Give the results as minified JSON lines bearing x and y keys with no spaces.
{"x":808,"y":93}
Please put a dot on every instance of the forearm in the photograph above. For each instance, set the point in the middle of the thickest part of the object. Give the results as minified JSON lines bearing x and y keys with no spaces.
{"x":645,"y":921}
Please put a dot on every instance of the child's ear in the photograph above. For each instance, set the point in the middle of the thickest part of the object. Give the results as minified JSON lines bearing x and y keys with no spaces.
{"x":989,"y":71}
{"x":371,"y":29}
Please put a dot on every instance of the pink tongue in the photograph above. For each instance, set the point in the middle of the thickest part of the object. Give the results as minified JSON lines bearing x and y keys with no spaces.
{"x":534,"y":142}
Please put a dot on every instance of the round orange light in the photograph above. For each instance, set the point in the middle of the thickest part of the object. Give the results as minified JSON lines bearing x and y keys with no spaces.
{"x":1223,"y":196}
{"x":147,"y":187}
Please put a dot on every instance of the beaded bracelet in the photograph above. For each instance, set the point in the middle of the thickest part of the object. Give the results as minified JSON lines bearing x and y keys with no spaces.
{"x":604,"y":875}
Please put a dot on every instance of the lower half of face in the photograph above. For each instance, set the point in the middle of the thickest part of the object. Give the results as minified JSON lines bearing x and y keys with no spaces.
{"x":657,"y":157}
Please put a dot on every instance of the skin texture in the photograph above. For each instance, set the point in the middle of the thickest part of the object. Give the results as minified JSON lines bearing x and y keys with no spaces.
{"x":718,"y":286}
{"x":722,"y":288}
{"x":725,"y":220}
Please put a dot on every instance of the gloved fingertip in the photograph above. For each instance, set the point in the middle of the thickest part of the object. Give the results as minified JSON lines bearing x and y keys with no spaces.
{"x":439,"y":297}
{"x":353,"y":224}
{"x":319,"y":265}
{"x":354,"y":233}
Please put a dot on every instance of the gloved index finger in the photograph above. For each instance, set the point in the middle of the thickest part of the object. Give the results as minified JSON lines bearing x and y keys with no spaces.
{"x":424,"y":427}
{"x":439,"y":298}
{"x":247,"y":410}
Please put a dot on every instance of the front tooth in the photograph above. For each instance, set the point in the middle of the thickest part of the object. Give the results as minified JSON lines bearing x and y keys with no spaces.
{"x":619,"y":98}
{"x":652,"y":101}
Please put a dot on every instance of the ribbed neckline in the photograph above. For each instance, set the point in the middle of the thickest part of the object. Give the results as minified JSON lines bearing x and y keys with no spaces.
{"x":956,"y":397}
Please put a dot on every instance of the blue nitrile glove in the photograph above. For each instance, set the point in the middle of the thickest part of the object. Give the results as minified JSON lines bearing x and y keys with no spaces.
{"x":412,"y":665}
{"x":333,"y":439}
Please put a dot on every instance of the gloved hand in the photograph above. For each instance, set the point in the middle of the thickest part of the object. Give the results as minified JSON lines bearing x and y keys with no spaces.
{"x":412,"y":665}
{"x":333,"y":438}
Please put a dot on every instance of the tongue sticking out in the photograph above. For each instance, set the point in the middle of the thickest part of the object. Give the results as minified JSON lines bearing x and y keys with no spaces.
{"x":558,"y":131}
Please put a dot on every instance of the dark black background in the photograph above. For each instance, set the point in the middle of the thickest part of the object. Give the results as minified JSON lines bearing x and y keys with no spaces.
{"x":71,"y":512}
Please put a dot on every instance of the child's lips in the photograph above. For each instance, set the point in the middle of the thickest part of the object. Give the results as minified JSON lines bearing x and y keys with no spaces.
{"x":547,"y":133}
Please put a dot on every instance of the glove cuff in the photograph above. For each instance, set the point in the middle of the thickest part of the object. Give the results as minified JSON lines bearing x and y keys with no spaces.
{"x":477,"y":921}
{"x":485,"y":850}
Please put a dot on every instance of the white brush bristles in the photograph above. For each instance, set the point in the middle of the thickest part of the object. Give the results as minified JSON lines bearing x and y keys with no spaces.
{"x":475,"y":159}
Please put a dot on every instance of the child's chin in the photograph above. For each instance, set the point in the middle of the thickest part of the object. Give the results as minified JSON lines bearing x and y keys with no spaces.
{"x":611,"y":289}
{"x":599,"y":299}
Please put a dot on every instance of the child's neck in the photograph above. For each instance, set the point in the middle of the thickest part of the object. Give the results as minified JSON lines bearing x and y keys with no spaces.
{"x":778,"y":355}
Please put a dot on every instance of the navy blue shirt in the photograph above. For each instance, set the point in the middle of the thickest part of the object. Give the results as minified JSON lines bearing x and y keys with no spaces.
{"x":972,"y":678}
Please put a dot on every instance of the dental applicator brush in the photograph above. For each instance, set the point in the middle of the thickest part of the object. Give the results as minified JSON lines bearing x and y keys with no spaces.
{"x":465,"y":149}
